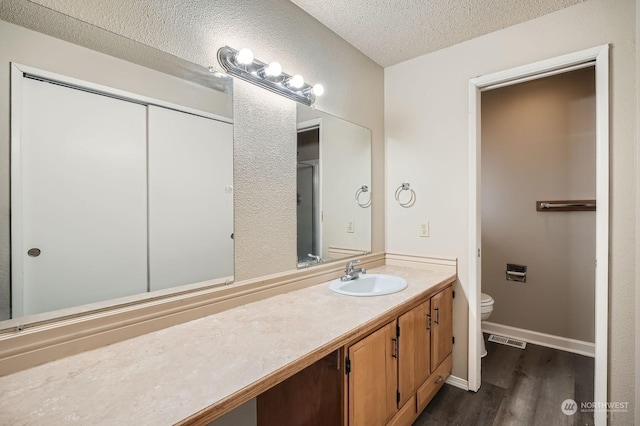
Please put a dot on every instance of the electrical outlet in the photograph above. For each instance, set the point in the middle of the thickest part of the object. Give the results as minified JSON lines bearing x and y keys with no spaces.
{"x":424,"y":229}
{"x":351,"y":228}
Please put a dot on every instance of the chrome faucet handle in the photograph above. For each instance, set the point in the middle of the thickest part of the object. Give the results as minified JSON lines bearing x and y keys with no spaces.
{"x":350,"y":265}
{"x":350,"y":273}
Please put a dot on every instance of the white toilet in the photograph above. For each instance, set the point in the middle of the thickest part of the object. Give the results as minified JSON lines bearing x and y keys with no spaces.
{"x":486,"y":307}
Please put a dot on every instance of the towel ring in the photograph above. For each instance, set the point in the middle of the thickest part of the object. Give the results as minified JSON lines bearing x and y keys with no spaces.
{"x":406,"y":187}
{"x":363,"y":189}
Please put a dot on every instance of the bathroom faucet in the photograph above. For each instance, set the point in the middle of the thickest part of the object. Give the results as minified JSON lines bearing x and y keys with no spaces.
{"x":318,"y":259}
{"x":352,"y":273}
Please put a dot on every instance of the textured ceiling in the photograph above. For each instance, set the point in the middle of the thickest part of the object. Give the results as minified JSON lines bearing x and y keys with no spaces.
{"x":392,"y":31}
{"x":32,"y":15}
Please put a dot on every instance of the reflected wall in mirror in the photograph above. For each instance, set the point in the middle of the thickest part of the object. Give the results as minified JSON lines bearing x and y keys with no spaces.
{"x":333,"y":188}
{"x":121,"y":175}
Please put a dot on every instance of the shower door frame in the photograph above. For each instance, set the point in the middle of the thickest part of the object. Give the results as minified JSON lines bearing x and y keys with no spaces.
{"x":599,"y":58}
{"x":317,"y":183}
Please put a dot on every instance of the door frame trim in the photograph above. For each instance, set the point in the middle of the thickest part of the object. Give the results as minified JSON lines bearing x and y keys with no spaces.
{"x":600,"y":57}
{"x":15,"y":189}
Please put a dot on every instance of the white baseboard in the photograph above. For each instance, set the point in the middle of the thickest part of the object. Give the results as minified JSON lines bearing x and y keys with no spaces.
{"x":541,"y":339}
{"x":458,"y":382}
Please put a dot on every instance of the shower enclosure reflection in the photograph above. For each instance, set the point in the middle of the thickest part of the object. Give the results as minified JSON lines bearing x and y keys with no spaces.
{"x":334,"y":164}
{"x":308,"y":193}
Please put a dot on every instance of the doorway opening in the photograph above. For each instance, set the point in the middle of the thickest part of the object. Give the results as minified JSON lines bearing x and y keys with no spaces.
{"x":595,"y":59}
{"x":309,"y":246}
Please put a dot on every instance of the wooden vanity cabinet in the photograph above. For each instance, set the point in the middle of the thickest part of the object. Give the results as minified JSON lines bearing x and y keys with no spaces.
{"x":373,"y":369}
{"x":387,"y":378}
{"x":418,"y":345}
{"x":441,"y":337}
{"x":414,"y":341}
{"x":441,"y":326}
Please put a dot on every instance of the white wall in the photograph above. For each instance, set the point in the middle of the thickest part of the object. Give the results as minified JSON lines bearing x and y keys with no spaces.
{"x":426,"y":128}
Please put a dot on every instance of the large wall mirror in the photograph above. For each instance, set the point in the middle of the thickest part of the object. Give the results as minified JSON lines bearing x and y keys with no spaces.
{"x":333,"y":188}
{"x":119,"y":185}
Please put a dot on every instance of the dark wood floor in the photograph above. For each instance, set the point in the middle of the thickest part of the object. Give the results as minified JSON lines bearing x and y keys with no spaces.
{"x":519,"y":387}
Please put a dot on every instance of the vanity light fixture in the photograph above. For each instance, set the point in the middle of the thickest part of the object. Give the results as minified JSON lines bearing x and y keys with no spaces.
{"x":274,"y":69}
{"x":242,"y":64}
{"x":296,"y":81}
{"x":244,"y":57}
{"x":318,"y":89}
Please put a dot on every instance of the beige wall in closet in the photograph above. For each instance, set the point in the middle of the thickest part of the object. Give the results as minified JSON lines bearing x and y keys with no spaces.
{"x":539,"y":143}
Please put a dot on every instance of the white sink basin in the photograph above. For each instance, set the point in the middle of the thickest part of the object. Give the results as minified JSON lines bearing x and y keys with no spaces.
{"x":369,"y":285}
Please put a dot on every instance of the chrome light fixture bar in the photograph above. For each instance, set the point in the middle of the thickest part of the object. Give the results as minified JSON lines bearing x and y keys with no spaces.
{"x":242,"y":64}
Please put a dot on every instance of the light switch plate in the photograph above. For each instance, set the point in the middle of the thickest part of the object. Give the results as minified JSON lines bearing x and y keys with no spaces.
{"x":351,"y":227}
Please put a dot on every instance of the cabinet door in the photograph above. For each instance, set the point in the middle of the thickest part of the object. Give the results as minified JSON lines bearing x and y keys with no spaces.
{"x":441,"y":326}
{"x":373,"y":378}
{"x":414,"y":350}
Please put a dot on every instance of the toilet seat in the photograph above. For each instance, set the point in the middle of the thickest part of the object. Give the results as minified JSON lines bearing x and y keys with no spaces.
{"x":485,"y":299}
{"x":486,"y":308}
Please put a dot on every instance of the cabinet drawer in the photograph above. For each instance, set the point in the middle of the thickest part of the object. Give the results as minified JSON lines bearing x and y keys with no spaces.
{"x":433,"y":384}
{"x":406,"y":415}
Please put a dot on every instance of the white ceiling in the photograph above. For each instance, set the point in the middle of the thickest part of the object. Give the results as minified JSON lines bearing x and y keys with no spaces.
{"x":392,"y":31}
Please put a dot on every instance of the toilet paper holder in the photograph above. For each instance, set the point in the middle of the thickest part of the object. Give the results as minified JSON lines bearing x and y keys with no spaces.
{"x":516,"y":273}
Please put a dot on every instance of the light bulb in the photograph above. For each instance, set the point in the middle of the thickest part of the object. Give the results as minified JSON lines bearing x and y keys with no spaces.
{"x":318,"y":90}
{"x":244,"y":56}
{"x":274,"y":69}
{"x":296,"y":81}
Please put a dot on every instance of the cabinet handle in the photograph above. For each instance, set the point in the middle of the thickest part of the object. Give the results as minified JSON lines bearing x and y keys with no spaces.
{"x":394,"y":353}
{"x":440,"y":380}
{"x":428,"y":322}
{"x":437,"y":321}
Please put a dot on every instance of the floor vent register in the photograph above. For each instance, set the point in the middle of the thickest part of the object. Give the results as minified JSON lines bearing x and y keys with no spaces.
{"x":507,"y":341}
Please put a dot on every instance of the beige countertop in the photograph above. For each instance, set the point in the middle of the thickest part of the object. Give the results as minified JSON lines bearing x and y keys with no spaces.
{"x":168,"y":375}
